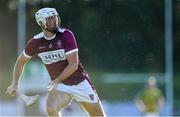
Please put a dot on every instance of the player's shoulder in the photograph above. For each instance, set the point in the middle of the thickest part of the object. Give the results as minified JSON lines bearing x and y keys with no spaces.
{"x":38,"y":36}
{"x":158,"y":90}
{"x":62,"y":30}
{"x":35,"y":38}
{"x":65,"y":31}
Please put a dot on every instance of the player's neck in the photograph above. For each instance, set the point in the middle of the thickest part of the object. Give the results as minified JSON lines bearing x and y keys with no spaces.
{"x":49,"y":35}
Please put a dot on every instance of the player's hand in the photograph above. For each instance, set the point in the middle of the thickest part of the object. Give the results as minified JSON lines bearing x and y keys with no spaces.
{"x":11,"y":90}
{"x":52,"y":87}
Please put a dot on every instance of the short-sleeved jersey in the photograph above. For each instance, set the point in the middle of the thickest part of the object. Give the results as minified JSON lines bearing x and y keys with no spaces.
{"x":150,"y":97}
{"x":54,"y":53}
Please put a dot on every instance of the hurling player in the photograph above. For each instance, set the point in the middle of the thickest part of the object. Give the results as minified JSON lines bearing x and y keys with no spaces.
{"x":58,"y":50}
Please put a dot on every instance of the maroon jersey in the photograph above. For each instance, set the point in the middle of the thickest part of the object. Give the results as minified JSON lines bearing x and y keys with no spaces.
{"x":53,"y":53}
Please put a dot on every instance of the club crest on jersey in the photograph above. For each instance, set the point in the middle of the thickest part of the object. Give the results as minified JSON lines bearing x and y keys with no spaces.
{"x":91,"y":96}
{"x":52,"y":56}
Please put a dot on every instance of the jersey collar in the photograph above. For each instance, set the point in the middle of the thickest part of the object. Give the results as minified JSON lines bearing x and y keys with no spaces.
{"x":50,"y":38}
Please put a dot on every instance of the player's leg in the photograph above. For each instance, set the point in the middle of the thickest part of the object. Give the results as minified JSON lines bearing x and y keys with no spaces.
{"x":56,"y":101}
{"x":94,"y":109}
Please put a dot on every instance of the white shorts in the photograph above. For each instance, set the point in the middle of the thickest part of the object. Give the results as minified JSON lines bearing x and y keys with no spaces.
{"x":82,"y":92}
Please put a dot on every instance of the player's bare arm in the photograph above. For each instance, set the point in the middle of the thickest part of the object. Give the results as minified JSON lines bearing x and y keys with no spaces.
{"x":161,"y":102}
{"x":69,"y":69}
{"x":17,"y":72}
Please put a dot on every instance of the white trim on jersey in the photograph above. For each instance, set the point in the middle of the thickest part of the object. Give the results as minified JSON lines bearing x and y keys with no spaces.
{"x":61,"y":30}
{"x":41,"y":34}
{"x":71,"y":51}
{"x":49,"y":38}
{"x":26,"y":54}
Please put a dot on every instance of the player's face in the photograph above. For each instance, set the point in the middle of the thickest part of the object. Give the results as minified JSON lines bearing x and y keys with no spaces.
{"x":51,"y":23}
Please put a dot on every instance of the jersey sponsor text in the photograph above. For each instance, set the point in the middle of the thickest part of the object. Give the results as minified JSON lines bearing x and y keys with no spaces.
{"x":52,"y":56}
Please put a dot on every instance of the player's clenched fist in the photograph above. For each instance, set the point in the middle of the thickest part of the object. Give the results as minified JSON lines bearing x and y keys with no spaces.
{"x":11,"y":90}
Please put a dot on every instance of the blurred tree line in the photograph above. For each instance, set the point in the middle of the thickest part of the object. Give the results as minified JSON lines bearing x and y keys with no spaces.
{"x":126,"y":36}
{"x":112,"y":35}
{"x":120,"y":35}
